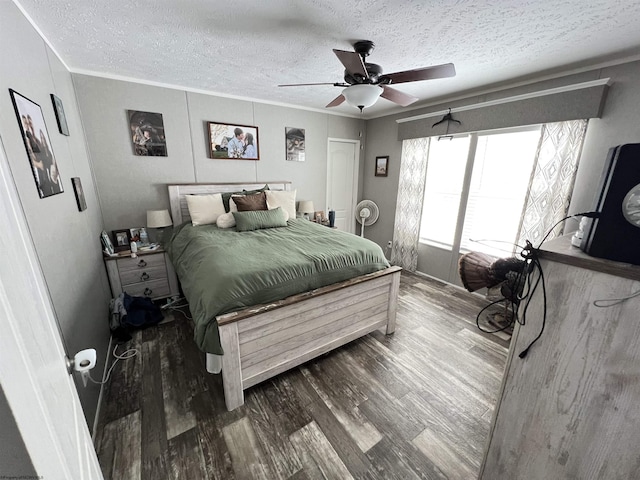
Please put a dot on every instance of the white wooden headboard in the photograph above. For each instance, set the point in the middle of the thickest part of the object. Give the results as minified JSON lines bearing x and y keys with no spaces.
{"x":178,"y":202}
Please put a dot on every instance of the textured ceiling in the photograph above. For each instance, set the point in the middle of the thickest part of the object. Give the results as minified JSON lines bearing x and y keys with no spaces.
{"x":245,"y":48}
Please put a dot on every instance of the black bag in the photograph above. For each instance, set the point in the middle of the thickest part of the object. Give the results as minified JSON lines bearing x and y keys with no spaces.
{"x":128,"y":313}
{"x":141,"y":312}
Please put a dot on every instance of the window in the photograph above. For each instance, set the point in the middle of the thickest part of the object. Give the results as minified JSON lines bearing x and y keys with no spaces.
{"x":443,"y":187}
{"x":494,"y":197}
{"x":501,"y":170}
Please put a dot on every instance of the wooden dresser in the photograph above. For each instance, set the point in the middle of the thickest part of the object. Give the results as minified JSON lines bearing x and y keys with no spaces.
{"x":150,"y":274}
{"x":571,"y":408}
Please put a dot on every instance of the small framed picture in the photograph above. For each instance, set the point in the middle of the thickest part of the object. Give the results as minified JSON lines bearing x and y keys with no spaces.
{"x":382,"y":166}
{"x":60,"y":116}
{"x":135,"y":234}
{"x":121,"y":240}
{"x":294,"y":138}
{"x":319,"y":217}
{"x":77,"y":188}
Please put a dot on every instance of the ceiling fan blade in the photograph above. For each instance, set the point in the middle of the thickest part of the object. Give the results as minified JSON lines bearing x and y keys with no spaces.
{"x":396,"y":96}
{"x":352,"y":62}
{"x":308,"y":84}
{"x":427,"y":73}
{"x":336,"y":101}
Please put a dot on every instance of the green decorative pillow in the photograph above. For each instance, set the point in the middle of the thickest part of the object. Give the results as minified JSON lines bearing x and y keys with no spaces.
{"x":227,"y":196}
{"x":259,"y":219}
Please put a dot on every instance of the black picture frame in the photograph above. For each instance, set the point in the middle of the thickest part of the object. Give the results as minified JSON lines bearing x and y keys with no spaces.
{"x":382,"y":166}
{"x":147,"y":134}
{"x":121,"y":239}
{"x":295,"y":141}
{"x":220,"y":135}
{"x":77,"y":189}
{"x":42,"y":161}
{"x":61,"y":118}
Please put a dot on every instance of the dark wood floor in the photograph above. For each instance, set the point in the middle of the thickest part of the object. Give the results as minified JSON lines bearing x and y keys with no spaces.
{"x":414,"y":405}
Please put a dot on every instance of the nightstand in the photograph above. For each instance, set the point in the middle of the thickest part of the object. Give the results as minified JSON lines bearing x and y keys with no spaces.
{"x":150,"y":274}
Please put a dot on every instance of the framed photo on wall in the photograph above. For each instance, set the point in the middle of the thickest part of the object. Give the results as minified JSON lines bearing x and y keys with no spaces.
{"x":38,"y":145}
{"x":232,"y":142}
{"x":77,"y":188}
{"x":295,"y":144}
{"x":147,"y":133}
{"x":382,"y":166}
{"x":60,"y":116}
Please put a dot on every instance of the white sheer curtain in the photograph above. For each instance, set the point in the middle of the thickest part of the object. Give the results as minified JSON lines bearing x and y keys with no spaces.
{"x":552,"y":179}
{"x":406,"y":231}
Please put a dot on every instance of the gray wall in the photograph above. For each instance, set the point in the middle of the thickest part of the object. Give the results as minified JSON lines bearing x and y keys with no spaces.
{"x":129,"y":185}
{"x":66,"y":240}
{"x":619,"y":123}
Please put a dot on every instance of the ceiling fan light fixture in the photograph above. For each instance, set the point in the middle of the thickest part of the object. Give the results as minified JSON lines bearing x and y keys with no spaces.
{"x":362,"y":96}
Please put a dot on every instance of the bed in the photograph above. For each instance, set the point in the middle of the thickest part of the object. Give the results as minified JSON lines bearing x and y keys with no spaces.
{"x":267,"y":338}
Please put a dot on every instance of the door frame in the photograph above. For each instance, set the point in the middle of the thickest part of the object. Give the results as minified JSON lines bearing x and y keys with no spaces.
{"x":20,"y":383}
{"x":356,"y":177}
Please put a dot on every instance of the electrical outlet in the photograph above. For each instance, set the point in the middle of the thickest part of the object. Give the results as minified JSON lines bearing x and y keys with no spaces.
{"x":389,"y":244}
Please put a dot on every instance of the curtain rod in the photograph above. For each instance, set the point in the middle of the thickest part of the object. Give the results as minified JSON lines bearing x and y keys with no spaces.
{"x":516,"y":98}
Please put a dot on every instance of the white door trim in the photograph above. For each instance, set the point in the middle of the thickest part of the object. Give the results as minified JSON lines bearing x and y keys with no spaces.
{"x":356,"y":178}
{"x":25,"y":376}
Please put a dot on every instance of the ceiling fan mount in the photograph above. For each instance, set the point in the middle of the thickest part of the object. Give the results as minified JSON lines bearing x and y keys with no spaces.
{"x":364,"y":82}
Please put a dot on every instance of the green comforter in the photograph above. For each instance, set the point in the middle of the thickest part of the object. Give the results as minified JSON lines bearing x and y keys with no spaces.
{"x":222,"y":270}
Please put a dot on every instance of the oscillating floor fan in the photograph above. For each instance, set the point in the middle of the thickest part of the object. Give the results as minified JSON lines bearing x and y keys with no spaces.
{"x":367,"y":213}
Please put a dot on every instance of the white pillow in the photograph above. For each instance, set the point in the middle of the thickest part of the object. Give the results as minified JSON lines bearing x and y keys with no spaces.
{"x":284,"y":199}
{"x":205,"y":209}
{"x":226,"y":220}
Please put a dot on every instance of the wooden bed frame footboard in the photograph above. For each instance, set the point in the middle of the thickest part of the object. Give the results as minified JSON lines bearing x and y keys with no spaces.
{"x":263,"y":341}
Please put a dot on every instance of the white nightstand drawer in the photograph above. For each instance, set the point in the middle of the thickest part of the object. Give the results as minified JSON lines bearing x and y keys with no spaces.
{"x":150,"y":271}
{"x":153,"y":289}
{"x":146,"y":274}
{"x":139,"y":263}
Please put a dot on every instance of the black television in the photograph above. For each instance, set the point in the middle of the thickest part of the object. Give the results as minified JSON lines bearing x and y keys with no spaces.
{"x":615,"y":234}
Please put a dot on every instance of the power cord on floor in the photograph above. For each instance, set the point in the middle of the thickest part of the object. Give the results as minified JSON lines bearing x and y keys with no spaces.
{"x":130,"y":353}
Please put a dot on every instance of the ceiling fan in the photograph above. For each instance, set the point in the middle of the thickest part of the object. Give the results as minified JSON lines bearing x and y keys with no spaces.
{"x":364,"y":82}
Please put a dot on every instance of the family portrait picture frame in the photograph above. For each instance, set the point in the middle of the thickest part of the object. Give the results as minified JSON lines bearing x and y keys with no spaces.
{"x":382,"y":166}
{"x":232,"y":142}
{"x":37,"y":144}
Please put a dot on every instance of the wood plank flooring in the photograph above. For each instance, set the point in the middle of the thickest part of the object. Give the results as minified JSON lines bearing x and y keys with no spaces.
{"x":413,"y":405}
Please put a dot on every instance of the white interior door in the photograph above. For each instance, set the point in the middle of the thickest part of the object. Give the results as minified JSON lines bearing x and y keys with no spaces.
{"x":33,"y":373}
{"x":342,"y":181}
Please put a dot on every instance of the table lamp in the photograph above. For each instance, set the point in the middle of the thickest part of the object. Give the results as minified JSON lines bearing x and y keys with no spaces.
{"x":159,"y":219}
{"x":305,"y":207}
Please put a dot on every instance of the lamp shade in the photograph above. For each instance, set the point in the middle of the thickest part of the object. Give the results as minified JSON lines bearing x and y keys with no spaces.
{"x":362,"y":96}
{"x":158,"y":218}
{"x":306,"y":206}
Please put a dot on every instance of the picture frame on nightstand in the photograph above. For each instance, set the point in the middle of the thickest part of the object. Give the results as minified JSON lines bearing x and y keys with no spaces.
{"x":121,"y":239}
